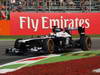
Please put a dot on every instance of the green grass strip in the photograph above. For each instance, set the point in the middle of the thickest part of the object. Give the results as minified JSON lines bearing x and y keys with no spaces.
{"x":65,"y":57}
{"x":58,"y":59}
{"x":16,"y":36}
{"x":93,"y":51}
{"x":85,"y":52}
{"x":31,"y":36}
{"x":8,"y":39}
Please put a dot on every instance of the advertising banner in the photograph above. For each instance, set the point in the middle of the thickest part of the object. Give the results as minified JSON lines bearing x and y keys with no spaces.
{"x":29,"y":23}
{"x":5,"y":27}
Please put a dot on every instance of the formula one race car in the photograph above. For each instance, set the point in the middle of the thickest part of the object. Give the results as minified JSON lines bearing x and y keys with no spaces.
{"x":58,"y":41}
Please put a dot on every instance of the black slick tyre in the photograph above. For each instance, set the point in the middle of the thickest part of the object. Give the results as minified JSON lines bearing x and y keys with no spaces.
{"x":49,"y":46}
{"x":16,"y":45}
{"x":85,"y":43}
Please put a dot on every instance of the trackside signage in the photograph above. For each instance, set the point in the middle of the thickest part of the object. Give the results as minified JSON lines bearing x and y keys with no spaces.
{"x":28,"y":23}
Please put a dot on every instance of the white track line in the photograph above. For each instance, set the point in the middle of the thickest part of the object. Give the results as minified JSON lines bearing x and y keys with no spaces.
{"x":2,"y":71}
{"x":97,"y":70}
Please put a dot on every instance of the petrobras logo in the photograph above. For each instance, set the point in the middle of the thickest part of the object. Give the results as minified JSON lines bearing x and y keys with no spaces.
{"x":46,"y":22}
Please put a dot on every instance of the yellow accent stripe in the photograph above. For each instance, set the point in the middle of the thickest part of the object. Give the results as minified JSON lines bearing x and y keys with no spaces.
{"x":81,"y":54}
{"x":93,"y":55}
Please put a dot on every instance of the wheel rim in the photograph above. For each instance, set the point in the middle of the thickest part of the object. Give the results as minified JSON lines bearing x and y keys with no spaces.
{"x":50,"y":46}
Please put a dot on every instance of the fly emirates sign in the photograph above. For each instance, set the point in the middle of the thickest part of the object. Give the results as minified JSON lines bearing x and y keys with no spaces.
{"x":29,"y":23}
{"x":48,"y":23}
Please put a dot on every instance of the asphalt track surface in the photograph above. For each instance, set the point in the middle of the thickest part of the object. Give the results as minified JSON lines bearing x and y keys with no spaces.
{"x":9,"y":43}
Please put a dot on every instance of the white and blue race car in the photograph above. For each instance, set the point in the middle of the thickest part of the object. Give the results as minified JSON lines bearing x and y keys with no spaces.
{"x":57,"y":41}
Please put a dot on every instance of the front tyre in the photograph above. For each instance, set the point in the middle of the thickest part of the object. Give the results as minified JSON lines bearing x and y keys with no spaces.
{"x":17,"y":44}
{"x":48,"y":45}
{"x":85,"y":43}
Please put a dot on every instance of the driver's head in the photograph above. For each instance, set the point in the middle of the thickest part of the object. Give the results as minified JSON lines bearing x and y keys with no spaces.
{"x":65,"y":29}
{"x":54,"y":29}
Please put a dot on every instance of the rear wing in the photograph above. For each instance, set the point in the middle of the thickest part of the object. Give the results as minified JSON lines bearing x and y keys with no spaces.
{"x":81,"y":30}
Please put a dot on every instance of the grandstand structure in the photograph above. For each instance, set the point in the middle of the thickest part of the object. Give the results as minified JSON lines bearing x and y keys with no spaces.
{"x":63,"y":6}
{"x":52,"y":5}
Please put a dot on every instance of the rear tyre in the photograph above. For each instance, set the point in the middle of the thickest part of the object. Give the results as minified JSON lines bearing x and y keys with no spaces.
{"x":85,"y":43}
{"x":20,"y":46}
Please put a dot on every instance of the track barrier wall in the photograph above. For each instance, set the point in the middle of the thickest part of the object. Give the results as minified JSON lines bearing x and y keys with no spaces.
{"x":29,"y":23}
